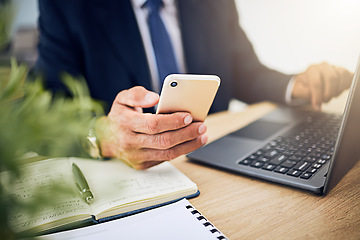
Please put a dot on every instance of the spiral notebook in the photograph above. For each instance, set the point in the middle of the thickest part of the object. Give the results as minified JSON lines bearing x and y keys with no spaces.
{"x":176,"y":221}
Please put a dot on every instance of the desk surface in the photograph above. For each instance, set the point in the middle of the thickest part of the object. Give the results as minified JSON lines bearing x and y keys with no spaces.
{"x":247,"y":208}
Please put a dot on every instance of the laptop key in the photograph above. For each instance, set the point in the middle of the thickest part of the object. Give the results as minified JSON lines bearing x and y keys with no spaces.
{"x":315,"y":155}
{"x":316,"y":165}
{"x":302,"y":166}
{"x":288,"y":164}
{"x":294,"y":173}
{"x":272,"y":153}
{"x":269,"y":167}
{"x":280,"y":169}
{"x":263,"y":159}
{"x":246,"y":161}
{"x":306,"y":175}
{"x":310,"y":159}
{"x":295,"y":158}
{"x":278,"y":160}
{"x":301,"y":153}
{"x":311,"y":170}
{"x":252,"y":157}
{"x":321,"y":161}
{"x":257,"y":164}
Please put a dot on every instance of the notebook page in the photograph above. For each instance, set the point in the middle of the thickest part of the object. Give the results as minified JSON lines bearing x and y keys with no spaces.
{"x":114,"y":183}
{"x":173,"y":221}
{"x":38,"y":179}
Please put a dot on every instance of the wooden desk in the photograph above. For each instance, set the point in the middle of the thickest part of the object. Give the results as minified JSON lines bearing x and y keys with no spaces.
{"x":246,"y":208}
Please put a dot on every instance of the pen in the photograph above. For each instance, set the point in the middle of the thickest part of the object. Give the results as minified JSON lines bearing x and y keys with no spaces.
{"x":82,"y":184}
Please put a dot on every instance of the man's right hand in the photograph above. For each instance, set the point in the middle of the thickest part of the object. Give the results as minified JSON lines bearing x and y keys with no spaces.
{"x":144,"y":140}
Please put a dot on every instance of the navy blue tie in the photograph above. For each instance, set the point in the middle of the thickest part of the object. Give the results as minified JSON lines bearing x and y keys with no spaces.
{"x":163,"y":49}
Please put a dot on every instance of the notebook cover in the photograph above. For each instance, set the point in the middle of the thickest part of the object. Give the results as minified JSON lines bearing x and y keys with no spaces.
{"x":121,"y":215}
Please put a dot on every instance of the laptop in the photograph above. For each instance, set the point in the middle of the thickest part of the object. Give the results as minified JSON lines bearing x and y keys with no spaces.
{"x":291,"y":146}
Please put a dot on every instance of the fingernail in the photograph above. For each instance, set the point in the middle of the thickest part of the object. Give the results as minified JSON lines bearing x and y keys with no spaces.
{"x":151,"y":97}
{"x":204,"y":139}
{"x":202,"y":129}
{"x":187,"y":120}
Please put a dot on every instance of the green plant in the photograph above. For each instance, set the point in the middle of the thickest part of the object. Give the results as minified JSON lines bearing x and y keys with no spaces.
{"x":34,"y":120}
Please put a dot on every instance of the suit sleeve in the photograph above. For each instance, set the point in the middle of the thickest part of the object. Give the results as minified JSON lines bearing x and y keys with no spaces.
{"x":253,"y":81}
{"x":58,"y":50}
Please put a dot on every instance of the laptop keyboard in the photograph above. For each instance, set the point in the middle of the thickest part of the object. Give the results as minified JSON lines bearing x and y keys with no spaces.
{"x":300,"y":152}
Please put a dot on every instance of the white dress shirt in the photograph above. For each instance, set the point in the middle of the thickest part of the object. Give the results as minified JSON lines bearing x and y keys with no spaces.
{"x":170,"y":18}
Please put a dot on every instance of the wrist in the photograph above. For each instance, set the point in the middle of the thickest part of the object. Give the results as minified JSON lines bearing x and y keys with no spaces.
{"x":292,"y":97}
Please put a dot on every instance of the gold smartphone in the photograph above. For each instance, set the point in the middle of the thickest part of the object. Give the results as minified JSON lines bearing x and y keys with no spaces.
{"x":188,"y":93}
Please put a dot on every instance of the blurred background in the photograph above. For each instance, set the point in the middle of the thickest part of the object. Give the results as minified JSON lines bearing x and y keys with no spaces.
{"x":22,"y":32}
{"x":288,"y":35}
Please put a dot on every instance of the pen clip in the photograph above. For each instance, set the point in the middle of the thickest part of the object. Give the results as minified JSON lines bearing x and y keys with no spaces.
{"x":88,"y":196}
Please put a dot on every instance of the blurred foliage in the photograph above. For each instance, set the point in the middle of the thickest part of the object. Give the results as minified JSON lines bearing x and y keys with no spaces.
{"x":33,"y":119}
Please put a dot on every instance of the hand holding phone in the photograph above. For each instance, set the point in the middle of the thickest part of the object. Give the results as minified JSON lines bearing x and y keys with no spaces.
{"x":188,"y":93}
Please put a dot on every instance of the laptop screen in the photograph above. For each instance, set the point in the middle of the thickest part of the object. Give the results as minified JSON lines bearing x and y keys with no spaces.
{"x":347,"y":150}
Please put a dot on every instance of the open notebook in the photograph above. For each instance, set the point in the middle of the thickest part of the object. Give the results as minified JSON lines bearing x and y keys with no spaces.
{"x":118,"y":189}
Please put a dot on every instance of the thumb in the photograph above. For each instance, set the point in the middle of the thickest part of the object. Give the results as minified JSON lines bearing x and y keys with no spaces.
{"x":137,"y":97}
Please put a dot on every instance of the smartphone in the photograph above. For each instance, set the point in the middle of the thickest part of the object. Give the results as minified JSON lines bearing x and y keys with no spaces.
{"x":188,"y":93}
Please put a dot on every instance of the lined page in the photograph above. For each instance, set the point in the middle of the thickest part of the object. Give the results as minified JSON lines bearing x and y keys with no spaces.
{"x":38,"y":180}
{"x":114,"y":184}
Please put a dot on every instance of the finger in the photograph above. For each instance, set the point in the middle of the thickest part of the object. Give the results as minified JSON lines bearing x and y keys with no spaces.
{"x":138,"y":158}
{"x":339,"y":81}
{"x":158,"y":123}
{"x":138,"y":109}
{"x":143,"y":165}
{"x":170,"y":139}
{"x":136,"y":97}
{"x":179,"y":150}
{"x":146,"y":165}
{"x":316,"y":90}
{"x":136,"y":162}
{"x":330,"y":82}
{"x":345,"y":77}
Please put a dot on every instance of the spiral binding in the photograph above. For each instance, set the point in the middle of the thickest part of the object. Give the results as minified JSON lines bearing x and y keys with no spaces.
{"x":206,"y":223}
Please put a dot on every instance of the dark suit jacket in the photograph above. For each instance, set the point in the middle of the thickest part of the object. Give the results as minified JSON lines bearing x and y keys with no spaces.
{"x":100,"y":40}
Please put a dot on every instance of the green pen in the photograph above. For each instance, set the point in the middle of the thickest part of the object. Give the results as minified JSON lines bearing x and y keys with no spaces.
{"x":82,"y":184}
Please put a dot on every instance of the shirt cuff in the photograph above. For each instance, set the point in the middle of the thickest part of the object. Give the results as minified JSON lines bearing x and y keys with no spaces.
{"x":288,"y":99}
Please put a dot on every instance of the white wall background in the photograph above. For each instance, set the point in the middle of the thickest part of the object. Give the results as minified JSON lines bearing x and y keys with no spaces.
{"x":288,"y":35}
{"x":26,"y":13}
